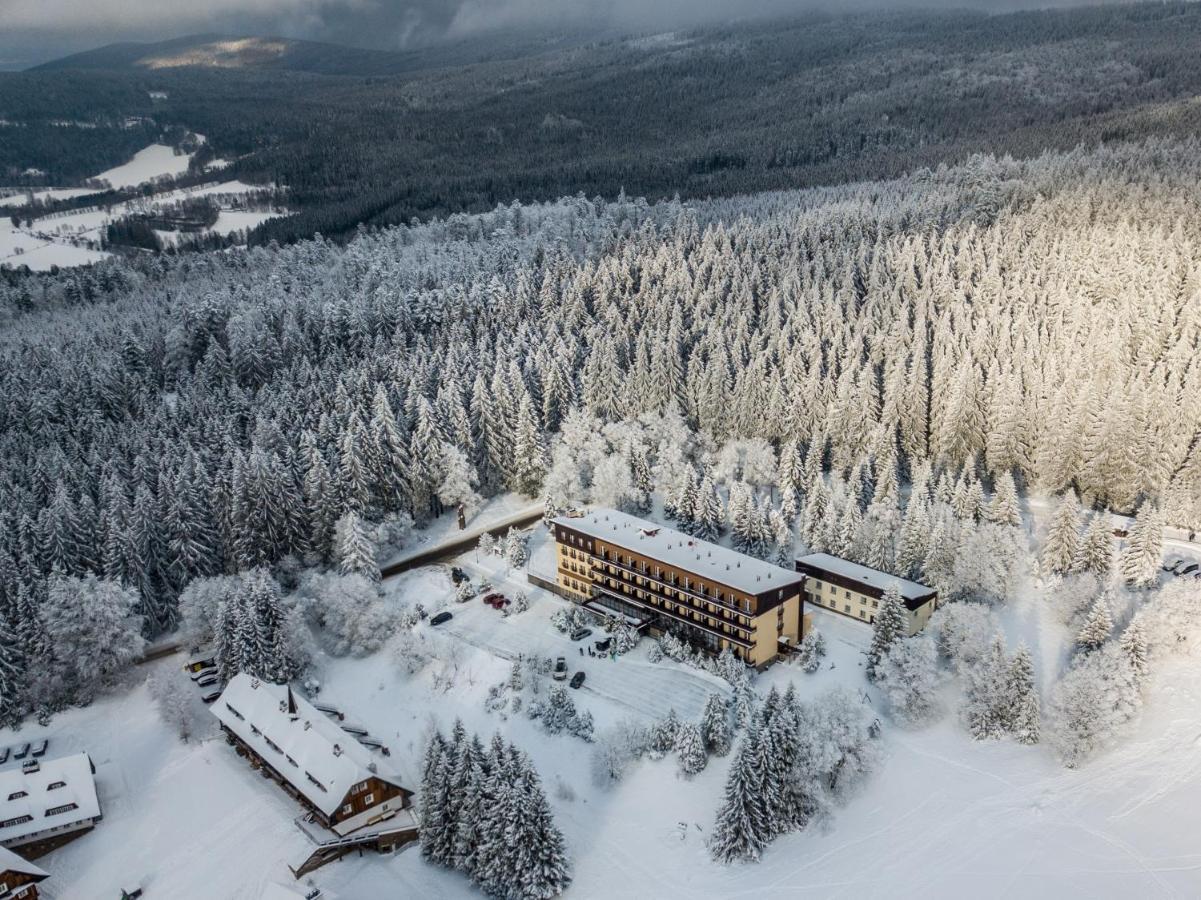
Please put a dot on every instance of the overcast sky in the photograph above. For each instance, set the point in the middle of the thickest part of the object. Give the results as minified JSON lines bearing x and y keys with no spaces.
{"x":32,"y":31}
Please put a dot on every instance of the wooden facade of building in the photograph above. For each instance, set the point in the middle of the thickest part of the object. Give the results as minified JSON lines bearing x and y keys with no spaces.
{"x":709,"y":596}
{"x":19,"y":878}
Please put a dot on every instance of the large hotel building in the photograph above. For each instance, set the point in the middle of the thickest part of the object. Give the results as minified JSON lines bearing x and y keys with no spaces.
{"x":711,"y":596}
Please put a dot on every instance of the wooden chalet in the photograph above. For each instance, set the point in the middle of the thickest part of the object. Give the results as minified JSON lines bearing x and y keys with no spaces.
{"x":350,"y":800}
{"x":18,"y":879}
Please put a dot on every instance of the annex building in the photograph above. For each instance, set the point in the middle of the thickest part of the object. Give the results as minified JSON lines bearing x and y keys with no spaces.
{"x":47,"y":803}
{"x":854,"y":590}
{"x":711,"y":596}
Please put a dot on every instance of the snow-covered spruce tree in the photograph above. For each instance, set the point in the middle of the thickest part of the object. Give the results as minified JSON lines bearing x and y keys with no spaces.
{"x":1140,"y":560}
{"x":742,"y":829}
{"x":1095,"y":553}
{"x":356,"y":550}
{"x":690,"y":749}
{"x":459,"y":481}
{"x":715,"y":726}
{"x":540,"y":862}
{"x":1134,"y":644}
{"x":1063,"y":536}
{"x":1004,"y":508}
{"x":888,"y":627}
{"x":1097,"y":626}
{"x":663,"y":733}
{"x":1023,"y":716}
{"x":435,"y":788}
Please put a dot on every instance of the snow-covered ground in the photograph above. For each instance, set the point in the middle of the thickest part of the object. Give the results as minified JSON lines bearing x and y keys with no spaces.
{"x":494,"y":511}
{"x":21,"y":196}
{"x":943,"y":816}
{"x":19,"y":247}
{"x":149,"y":163}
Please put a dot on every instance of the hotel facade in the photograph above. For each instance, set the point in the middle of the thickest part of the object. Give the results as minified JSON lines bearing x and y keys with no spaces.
{"x":709,"y":596}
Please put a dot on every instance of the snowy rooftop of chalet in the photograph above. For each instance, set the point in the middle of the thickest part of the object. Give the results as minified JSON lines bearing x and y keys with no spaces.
{"x":304,"y":741}
{"x":10,"y":862}
{"x":681,"y":551}
{"x":910,"y":590}
{"x":28,"y":793}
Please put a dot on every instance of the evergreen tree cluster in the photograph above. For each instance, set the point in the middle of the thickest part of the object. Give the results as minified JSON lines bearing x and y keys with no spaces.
{"x":484,"y":812}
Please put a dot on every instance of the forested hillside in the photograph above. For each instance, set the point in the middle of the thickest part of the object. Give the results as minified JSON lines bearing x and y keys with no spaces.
{"x":173,"y":418}
{"x":713,"y":112}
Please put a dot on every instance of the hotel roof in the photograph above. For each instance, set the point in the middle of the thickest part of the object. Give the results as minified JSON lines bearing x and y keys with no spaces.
{"x":711,"y":562}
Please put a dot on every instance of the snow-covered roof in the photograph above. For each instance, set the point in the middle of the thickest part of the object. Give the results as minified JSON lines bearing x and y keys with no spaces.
{"x":865,"y":575}
{"x":26,"y":796}
{"x":306,"y":747}
{"x":681,"y":551}
{"x":10,"y":862}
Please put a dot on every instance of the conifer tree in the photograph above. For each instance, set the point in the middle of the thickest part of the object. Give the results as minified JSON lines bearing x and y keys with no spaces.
{"x":888,"y":627}
{"x":1022,"y":699}
{"x":1063,"y":536}
{"x":715,"y":726}
{"x":742,"y":829}
{"x":1134,"y":645}
{"x":1004,"y":508}
{"x":1095,"y":553}
{"x":1097,"y":626}
{"x":690,"y":749}
{"x":356,"y":551}
{"x":707,"y":512}
{"x":1140,"y":560}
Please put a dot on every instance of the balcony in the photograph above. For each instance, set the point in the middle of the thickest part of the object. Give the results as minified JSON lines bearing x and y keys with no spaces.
{"x":662,"y":586}
{"x":655,"y":611}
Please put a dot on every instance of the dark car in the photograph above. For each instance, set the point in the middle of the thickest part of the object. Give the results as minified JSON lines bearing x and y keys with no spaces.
{"x":580,"y":633}
{"x":602,"y":646}
{"x":457,"y":575}
{"x":441,"y":617}
{"x":560,"y":673}
{"x":1188,"y":570}
{"x":211,"y":696}
{"x":577,"y":679}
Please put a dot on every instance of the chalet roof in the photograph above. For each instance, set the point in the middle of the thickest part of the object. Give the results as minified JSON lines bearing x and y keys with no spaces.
{"x":11,"y":862}
{"x":32,"y":797}
{"x":306,"y":747}
{"x":874,"y":579}
{"x":711,"y":562}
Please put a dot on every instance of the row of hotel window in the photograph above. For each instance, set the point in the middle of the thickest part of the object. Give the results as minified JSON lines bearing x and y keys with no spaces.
{"x":832,"y":603}
{"x":52,"y":811}
{"x":682,"y":609}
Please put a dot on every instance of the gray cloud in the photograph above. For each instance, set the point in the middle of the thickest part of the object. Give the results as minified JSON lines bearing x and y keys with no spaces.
{"x":39,"y":29}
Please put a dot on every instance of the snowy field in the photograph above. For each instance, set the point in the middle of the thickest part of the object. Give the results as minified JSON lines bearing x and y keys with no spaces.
{"x":943,"y":816}
{"x":149,"y":163}
{"x":72,"y":238}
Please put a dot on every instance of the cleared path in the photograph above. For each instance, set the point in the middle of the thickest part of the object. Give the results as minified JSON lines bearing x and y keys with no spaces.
{"x":462,"y":541}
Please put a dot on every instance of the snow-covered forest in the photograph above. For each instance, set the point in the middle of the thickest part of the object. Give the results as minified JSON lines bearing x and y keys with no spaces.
{"x":986,"y":331}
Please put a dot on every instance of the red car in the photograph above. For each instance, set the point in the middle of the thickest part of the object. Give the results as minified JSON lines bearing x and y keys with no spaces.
{"x":497,"y":601}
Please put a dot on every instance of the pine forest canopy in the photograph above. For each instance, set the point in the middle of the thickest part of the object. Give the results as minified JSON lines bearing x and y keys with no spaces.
{"x":169,"y":418}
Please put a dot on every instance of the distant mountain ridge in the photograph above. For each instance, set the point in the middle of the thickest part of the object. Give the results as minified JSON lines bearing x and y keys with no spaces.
{"x":213,"y":51}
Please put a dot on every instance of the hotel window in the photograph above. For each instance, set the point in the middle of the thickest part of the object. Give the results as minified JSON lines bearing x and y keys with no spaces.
{"x":66,"y":807}
{"x":54,"y":786}
{"x":17,"y":795}
{"x":847,"y":608}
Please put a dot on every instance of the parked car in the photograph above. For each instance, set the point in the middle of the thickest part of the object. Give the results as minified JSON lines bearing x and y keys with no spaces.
{"x":39,"y":749}
{"x":602,"y":646}
{"x":21,"y":752}
{"x":212,"y":695}
{"x":560,"y":673}
{"x":4,"y":755}
{"x":199,"y":675}
{"x":488,"y":598}
{"x":577,"y":679}
{"x":441,"y":617}
{"x":457,"y":575}
{"x":1189,"y":570}
{"x":208,"y":681}
{"x":580,"y":633}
